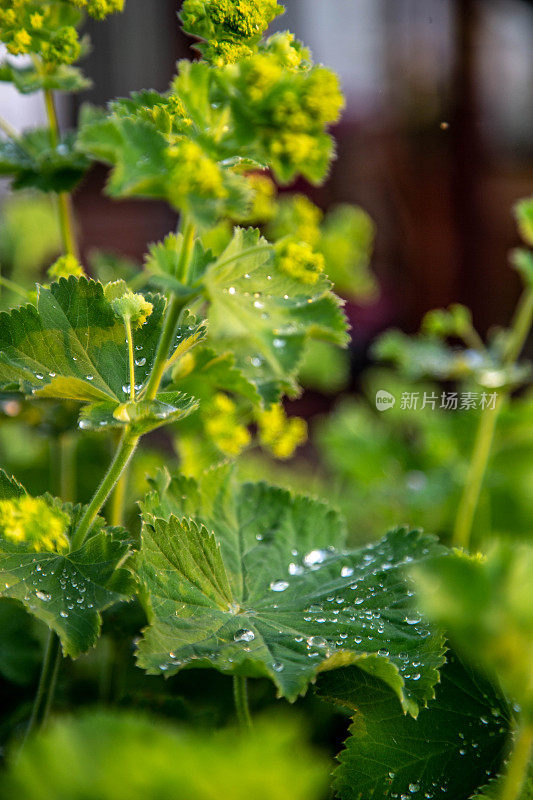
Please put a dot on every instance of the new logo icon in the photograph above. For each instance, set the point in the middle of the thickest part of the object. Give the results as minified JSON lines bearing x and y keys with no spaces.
{"x":384,"y":400}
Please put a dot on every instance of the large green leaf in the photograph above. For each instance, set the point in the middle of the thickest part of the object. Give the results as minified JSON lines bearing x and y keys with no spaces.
{"x":73,"y":345}
{"x":252,"y":580}
{"x":125,"y":756}
{"x":265,"y":316}
{"x":454,"y":746}
{"x":34,"y":163}
{"x":65,"y":590}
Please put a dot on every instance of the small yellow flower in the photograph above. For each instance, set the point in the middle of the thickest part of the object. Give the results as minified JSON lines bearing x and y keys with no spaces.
{"x":36,"y":21}
{"x":33,"y":521}
{"x":64,"y":267}
{"x":223,"y":426}
{"x":280,"y":434}
{"x":21,"y":42}
{"x":299,"y":260}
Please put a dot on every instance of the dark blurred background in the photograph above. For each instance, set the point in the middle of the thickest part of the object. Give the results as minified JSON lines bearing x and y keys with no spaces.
{"x":436,"y":142}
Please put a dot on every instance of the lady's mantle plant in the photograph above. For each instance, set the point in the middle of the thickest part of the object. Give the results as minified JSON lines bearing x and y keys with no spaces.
{"x":246,"y":579}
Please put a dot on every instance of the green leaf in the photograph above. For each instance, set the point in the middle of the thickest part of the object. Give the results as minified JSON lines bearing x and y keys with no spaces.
{"x":265,"y":316}
{"x":523,"y":262}
{"x":73,"y":345}
{"x":139,"y":757}
{"x":135,"y":148}
{"x":251,"y":580}
{"x":455,"y":745}
{"x":524,"y":216}
{"x":486,"y":604}
{"x":346,"y":242}
{"x":211,"y":372}
{"x":65,"y":590}
{"x":142,"y":416}
{"x":32,"y":162}
{"x":58,"y":77}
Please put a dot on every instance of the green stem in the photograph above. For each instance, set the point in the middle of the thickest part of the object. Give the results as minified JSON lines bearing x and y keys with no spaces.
{"x":171,"y":318}
{"x":240,"y":695}
{"x":466,"y":511}
{"x":14,"y":287}
{"x":64,"y":200}
{"x":518,"y":764}
{"x":8,"y":129}
{"x":118,"y":500}
{"x":476,"y":473}
{"x":45,"y":690}
{"x":126,"y":448}
{"x":131,"y":361}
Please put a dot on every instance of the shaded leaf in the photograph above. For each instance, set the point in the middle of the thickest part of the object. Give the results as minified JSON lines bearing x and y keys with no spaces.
{"x":58,"y":77}
{"x":259,"y":583}
{"x":486,"y":604}
{"x":32,"y":162}
{"x":454,"y":746}
{"x":211,"y":372}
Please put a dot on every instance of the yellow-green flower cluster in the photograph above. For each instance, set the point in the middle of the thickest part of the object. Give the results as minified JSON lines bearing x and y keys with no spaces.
{"x":223,"y":426}
{"x":99,"y":8}
{"x":230,"y":29}
{"x":299,"y":260}
{"x":32,"y":521}
{"x":47,"y":28}
{"x":298,"y":217}
{"x":194,"y":175}
{"x":64,"y":267}
{"x":129,"y":306}
{"x":280,"y":434}
{"x":286,"y":105}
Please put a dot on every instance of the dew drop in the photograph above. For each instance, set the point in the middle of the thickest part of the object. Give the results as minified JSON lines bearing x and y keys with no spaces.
{"x":244,"y":635}
{"x":279,"y":586}
{"x":346,"y":572}
{"x":44,"y":596}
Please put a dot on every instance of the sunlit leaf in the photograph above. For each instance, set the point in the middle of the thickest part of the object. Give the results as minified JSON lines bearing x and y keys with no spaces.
{"x":58,"y":77}
{"x":265,"y":316}
{"x":73,"y":345}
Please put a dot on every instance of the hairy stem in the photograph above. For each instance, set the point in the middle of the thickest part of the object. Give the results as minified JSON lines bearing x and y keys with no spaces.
{"x":118,"y":499}
{"x":126,"y":448}
{"x":64,"y":200}
{"x":466,"y":511}
{"x":171,"y":318}
{"x":518,"y":763}
{"x":131,"y":361}
{"x":240,"y":695}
